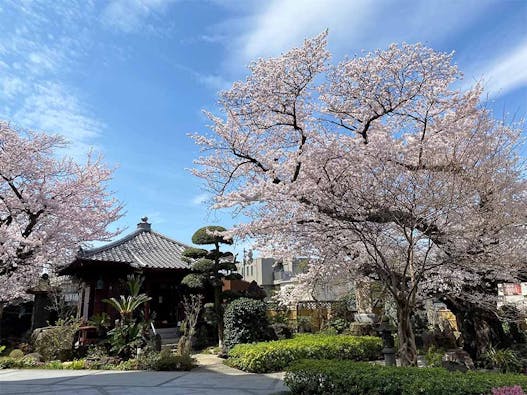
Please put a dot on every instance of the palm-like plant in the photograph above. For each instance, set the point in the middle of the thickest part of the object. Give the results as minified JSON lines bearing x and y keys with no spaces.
{"x":126,"y":305}
{"x":128,"y":335}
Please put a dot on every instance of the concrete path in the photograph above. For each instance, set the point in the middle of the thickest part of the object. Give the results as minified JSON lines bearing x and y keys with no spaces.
{"x":211,"y":377}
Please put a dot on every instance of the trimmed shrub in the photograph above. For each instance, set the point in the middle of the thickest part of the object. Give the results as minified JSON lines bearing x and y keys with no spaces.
{"x":277,"y":355}
{"x":53,"y":365}
{"x":7,"y":362}
{"x":348,"y":377}
{"x":245,"y":322}
{"x":16,"y":354}
{"x":174,"y":362}
{"x":18,"y":363}
{"x":76,"y":364}
{"x":165,"y":360}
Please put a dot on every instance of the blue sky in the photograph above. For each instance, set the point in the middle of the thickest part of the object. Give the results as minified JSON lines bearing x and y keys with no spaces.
{"x":131,"y":77}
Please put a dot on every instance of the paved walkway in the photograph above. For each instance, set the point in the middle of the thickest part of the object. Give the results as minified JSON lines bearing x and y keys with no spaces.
{"x":211,"y":377}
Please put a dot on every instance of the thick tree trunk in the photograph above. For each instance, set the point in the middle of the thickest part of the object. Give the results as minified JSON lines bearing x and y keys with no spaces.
{"x":407,"y":348}
{"x":478,"y":327}
{"x":1,"y":315}
{"x":219,"y":314}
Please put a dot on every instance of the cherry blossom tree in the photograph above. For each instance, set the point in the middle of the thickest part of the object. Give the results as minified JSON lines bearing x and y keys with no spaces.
{"x":48,"y":206}
{"x":375,"y":163}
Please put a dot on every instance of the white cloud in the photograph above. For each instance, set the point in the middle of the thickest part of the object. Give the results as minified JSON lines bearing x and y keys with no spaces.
{"x":11,"y":86}
{"x":284,"y":24}
{"x":272,"y":27}
{"x":54,"y":109}
{"x":213,"y":81}
{"x":357,"y":25}
{"x":507,"y":72}
{"x":35,"y":65}
{"x":131,"y":15}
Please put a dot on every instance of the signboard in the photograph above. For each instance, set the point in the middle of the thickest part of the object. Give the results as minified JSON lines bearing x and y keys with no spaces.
{"x":512,"y":293}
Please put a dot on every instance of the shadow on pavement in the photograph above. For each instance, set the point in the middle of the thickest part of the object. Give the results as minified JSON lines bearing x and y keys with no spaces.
{"x":211,"y":379}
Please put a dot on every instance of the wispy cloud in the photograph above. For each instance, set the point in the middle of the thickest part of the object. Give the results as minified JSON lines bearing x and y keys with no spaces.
{"x":52,"y":108}
{"x":42,"y":47}
{"x":213,"y":81}
{"x":279,"y":25}
{"x":272,"y":31}
{"x":200,"y":199}
{"x":132,"y":15}
{"x":507,"y":73}
{"x":156,"y":218}
{"x":34,"y":63}
{"x":272,"y":27}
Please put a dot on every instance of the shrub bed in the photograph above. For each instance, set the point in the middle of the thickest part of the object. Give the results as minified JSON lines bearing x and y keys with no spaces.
{"x":28,"y":362}
{"x":245,"y":322}
{"x":164,"y":360}
{"x":348,"y":377}
{"x":277,"y":355}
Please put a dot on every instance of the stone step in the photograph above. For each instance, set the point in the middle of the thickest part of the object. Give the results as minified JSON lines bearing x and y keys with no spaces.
{"x":172,"y":347}
{"x":169,"y":340}
{"x":167,"y":332}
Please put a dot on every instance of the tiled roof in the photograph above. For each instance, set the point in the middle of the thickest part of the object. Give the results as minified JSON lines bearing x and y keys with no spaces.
{"x":143,"y":248}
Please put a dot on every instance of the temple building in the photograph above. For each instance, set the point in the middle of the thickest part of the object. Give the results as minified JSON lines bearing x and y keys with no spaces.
{"x":102,"y":272}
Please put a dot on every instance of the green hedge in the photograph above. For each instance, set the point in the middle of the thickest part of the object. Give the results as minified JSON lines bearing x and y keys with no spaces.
{"x":348,"y":377}
{"x":245,"y":322}
{"x":276,"y":355}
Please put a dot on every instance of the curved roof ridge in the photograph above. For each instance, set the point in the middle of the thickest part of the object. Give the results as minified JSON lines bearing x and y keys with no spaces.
{"x":170,"y":239}
{"x":142,"y":248}
{"x":112,"y":244}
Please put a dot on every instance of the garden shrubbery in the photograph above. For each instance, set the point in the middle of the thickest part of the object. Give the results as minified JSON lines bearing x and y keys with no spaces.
{"x":280,"y":331}
{"x":29,"y":362}
{"x":277,"y":355}
{"x":165,"y":360}
{"x":348,"y":377}
{"x":245,"y":322}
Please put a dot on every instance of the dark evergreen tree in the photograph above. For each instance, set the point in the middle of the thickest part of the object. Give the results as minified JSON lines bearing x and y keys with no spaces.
{"x":211,"y":267}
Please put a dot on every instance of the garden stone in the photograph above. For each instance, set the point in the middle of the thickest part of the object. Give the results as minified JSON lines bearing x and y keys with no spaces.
{"x":457,"y":360}
{"x":35,"y":356}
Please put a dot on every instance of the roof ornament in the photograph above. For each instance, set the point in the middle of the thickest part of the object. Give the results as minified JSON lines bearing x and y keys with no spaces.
{"x":144,"y":224}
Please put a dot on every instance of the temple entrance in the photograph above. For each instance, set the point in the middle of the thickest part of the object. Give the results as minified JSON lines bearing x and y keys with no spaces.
{"x":165,"y":306}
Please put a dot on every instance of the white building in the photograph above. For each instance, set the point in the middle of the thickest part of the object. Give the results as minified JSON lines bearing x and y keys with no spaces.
{"x":272,"y":274}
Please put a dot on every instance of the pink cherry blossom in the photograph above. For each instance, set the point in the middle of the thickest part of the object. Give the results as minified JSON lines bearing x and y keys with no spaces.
{"x":48,"y":206}
{"x":375,"y":167}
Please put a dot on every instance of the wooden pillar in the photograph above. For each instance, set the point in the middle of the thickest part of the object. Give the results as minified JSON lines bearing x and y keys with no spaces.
{"x":86,"y":294}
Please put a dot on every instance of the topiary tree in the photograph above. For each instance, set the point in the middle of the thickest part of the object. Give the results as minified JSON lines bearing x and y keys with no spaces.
{"x":246,"y":322}
{"x":210,"y":267}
